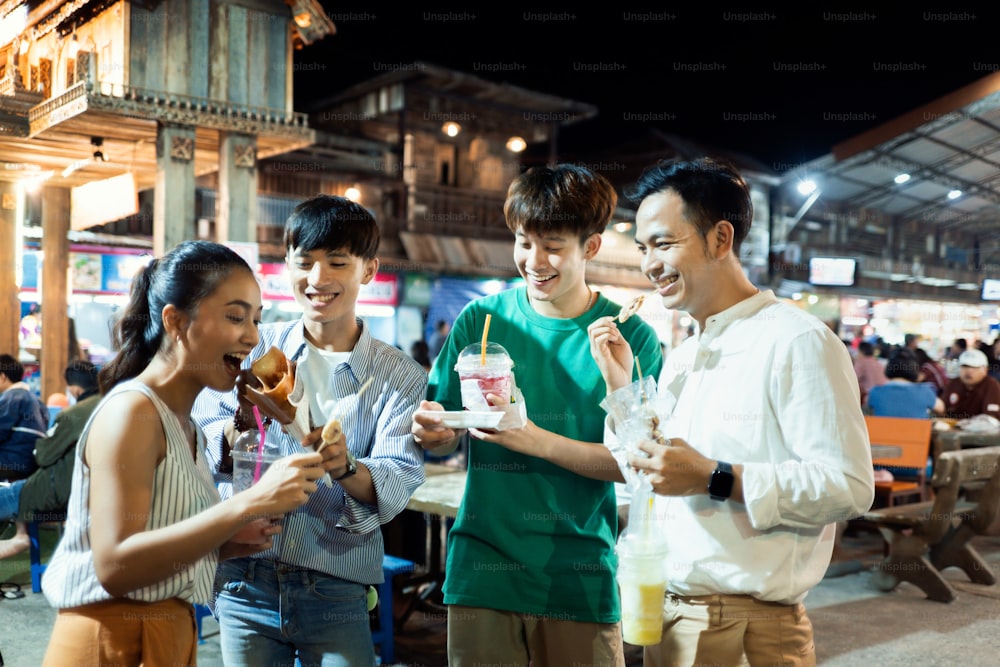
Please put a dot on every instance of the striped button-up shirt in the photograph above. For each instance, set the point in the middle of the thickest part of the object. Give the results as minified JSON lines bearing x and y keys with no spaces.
{"x":333,"y":532}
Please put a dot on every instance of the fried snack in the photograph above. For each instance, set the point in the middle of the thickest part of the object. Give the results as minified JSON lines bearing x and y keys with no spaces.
{"x":277,"y":380}
{"x":331,"y":431}
{"x":654,"y":426}
{"x":631,"y":308}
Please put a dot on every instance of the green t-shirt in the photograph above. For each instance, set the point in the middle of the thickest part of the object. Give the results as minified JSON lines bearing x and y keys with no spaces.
{"x":532,"y":537}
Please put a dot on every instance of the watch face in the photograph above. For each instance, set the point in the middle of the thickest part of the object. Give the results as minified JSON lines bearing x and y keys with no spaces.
{"x":720,"y":487}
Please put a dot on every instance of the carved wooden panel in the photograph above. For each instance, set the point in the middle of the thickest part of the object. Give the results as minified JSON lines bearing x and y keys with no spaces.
{"x":244,"y":156}
{"x":45,"y":77}
{"x":182,"y":148}
{"x":83,"y":65}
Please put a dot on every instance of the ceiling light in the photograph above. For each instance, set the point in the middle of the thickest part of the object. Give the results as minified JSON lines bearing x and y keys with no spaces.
{"x":303,"y":20}
{"x":516,"y":144}
{"x":74,"y":46}
{"x":954,"y":194}
{"x":901,"y":178}
{"x":451,"y":128}
{"x":353,"y":193}
{"x":806,"y":187}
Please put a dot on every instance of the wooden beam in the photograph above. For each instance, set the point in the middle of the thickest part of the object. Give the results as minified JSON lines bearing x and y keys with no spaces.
{"x":55,"y":272}
{"x":10,"y":241}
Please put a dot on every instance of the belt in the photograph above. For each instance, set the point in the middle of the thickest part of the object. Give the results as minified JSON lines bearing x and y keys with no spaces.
{"x":722,"y":597}
{"x":279,"y":566}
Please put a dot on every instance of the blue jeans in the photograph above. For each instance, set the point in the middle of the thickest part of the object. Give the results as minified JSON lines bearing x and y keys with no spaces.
{"x":270,"y":614}
{"x":10,"y":499}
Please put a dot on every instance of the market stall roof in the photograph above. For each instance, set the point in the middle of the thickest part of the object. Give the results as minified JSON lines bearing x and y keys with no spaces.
{"x":949,"y":151}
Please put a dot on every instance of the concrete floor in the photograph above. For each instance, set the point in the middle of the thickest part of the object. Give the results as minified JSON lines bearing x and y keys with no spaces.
{"x":855,"y":624}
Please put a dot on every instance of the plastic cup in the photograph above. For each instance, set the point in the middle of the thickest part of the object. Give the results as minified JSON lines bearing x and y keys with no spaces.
{"x":478,"y":379}
{"x":642,"y":583}
{"x":245,"y":467}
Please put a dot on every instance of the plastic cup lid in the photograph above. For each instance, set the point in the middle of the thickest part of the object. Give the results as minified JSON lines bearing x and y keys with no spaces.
{"x":471,"y":358}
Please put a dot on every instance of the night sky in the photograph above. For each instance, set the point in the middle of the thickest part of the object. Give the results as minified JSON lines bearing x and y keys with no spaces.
{"x":782,"y":87}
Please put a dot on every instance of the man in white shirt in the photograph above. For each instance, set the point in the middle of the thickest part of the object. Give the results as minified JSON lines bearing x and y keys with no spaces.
{"x":768,"y":447}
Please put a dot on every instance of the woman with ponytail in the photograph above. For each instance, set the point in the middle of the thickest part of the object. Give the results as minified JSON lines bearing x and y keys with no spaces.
{"x":145,"y":527}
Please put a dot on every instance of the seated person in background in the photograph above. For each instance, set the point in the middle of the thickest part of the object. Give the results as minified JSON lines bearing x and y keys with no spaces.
{"x":868,"y":369}
{"x":23,"y":419}
{"x":973,"y":392}
{"x":46,"y":491}
{"x":903,"y":395}
{"x":931,"y":371}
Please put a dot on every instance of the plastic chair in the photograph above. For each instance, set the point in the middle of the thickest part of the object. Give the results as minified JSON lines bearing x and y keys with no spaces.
{"x":200,"y":612}
{"x":35,"y":549}
{"x":384,"y":636}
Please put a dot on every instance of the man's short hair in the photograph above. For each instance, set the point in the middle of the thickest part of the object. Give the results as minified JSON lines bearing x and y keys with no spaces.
{"x":82,"y":374}
{"x":562,"y":197}
{"x":328,"y":222}
{"x":11,"y":367}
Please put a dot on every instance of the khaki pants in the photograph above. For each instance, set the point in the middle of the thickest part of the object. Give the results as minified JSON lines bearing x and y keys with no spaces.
{"x":732,"y":630}
{"x":488,"y":637}
{"x":125,"y":633}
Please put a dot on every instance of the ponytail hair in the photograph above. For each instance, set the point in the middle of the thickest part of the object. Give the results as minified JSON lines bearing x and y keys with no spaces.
{"x":182,"y":278}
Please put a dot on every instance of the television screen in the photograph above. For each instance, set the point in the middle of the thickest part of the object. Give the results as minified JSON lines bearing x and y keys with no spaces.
{"x":836,"y":271}
{"x":991,"y":289}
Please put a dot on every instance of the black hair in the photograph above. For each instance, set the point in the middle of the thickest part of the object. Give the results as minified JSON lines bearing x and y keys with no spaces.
{"x":711,"y":189}
{"x":420,"y":352}
{"x":561,"y":197}
{"x":183,"y":277}
{"x":82,"y":374}
{"x":11,"y":367}
{"x":903,"y":363}
{"x":327,"y":222}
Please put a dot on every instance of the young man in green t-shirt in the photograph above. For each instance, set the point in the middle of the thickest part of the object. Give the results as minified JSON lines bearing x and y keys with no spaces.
{"x":531,"y":562}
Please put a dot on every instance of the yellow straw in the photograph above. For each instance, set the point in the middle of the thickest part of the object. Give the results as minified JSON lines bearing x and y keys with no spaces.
{"x":486,"y":331}
{"x":642,"y":386}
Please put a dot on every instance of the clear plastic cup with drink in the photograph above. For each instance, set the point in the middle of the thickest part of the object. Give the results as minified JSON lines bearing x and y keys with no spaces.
{"x":642,"y":583}
{"x":249,"y":463}
{"x":480,"y":375}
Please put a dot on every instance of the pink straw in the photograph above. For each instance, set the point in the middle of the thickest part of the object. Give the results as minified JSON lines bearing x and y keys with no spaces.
{"x":260,"y":448}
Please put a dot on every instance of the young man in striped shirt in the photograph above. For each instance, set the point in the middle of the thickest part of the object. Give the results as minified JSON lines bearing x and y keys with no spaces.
{"x":305,"y":598}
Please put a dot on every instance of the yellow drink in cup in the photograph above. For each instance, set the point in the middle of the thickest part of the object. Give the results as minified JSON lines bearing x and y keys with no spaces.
{"x":642,"y":582}
{"x":642,"y":612}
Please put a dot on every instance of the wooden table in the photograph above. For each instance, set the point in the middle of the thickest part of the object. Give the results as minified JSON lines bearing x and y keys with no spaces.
{"x":438,"y":498}
{"x":441,"y":493}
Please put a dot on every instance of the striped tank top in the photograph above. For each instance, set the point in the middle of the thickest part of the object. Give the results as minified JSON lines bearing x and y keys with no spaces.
{"x":182,"y":487}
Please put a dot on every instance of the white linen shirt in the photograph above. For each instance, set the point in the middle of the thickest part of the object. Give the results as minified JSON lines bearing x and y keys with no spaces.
{"x":770,"y":387}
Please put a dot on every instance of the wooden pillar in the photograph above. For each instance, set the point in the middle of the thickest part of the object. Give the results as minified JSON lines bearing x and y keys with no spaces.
{"x":55,"y":286}
{"x":10,"y":242}
{"x":173,"y":196}
{"x":236,"y":217}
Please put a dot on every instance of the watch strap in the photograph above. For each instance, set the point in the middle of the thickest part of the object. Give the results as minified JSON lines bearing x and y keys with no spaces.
{"x":352,"y":467}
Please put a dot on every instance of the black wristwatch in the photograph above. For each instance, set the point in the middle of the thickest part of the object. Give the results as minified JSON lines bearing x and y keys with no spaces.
{"x":720,"y":486}
{"x":352,"y":467}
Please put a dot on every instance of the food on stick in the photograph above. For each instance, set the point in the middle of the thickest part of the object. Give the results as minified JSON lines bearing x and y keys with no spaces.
{"x":631,"y":308}
{"x":331,"y":431}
